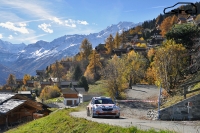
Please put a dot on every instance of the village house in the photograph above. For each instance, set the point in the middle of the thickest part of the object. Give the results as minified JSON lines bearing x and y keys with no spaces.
{"x":19,"y":82}
{"x":53,"y":81}
{"x":71,"y":97}
{"x":16,"y":109}
{"x":101,"y":49}
{"x":72,"y":93}
{"x":30,"y":84}
{"x":45,"y":83}
{"x":40,"y":74}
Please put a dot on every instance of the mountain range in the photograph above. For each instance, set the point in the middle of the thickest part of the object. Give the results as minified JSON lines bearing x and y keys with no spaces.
{"x":20,"y":59}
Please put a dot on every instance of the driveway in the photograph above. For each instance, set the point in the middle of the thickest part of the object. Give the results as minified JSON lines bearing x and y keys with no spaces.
{"x":178,"y":126}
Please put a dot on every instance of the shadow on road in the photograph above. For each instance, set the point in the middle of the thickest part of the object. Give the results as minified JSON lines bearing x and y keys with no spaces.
{"x":109,"y":118}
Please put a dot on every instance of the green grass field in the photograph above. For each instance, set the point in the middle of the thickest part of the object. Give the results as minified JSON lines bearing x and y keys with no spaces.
{"x":98,"y":88}
{"x":61,"y":122}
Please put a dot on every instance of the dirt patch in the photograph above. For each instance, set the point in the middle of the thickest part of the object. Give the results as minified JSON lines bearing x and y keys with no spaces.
{"x":143,"y":96}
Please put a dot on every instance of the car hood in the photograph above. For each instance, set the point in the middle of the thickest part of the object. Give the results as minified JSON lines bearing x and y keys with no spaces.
{"x":105,"y":105}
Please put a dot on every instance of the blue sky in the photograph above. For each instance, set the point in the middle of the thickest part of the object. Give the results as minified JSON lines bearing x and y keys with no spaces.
{"x":29,"y":21}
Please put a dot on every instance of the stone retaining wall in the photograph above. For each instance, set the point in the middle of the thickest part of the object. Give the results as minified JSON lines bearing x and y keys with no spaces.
{"x":181,"y":110}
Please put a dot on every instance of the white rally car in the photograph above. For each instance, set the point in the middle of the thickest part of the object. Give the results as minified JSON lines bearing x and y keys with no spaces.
{"x":102,"y":106}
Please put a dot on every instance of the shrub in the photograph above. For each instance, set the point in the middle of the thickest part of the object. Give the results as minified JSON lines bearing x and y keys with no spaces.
{"x":50,"y":92}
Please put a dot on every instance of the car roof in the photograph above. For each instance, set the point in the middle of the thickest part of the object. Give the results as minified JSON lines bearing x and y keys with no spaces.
{"x":101,"y":97}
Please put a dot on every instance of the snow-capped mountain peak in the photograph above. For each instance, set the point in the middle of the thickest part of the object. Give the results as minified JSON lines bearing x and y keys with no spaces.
{"x":29,"y":58}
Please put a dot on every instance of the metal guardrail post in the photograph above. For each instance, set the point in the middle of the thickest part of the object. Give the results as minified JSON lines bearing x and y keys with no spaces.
{"x":185,"y":92}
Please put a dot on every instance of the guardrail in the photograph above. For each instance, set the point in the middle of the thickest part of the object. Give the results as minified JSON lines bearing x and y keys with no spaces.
{"x":186,"y":85}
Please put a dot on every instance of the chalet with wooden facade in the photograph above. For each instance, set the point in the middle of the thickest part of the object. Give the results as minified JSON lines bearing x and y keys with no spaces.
{"x":16,"y":109}
{"x":30,"y":83}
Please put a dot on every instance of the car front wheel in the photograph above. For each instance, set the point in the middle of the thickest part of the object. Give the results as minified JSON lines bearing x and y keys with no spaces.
{"x":88,"y":112}
{"x":92,"y":114}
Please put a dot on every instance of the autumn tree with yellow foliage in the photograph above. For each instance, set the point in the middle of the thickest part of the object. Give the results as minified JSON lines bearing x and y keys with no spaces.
{"x":110,"y":44}
{"x":57,"y":70}
{"x":151,"y":71}
{"x":50,"y":92}
{"x":92,"y":70}
{"x":169,"y":64}
{"x":85,"y":49}
{"x":114,"y":79}
{"x":117,"y":40}
{"x":26,"y":78}
{"x":135,"y":68}
{"x":167,"y":23}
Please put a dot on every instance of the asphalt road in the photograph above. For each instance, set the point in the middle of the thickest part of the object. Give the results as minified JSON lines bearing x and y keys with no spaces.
{"x":178,"y":126}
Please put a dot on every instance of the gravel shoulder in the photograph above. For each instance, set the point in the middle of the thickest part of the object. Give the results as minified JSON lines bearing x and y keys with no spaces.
{"x":137,"y":109}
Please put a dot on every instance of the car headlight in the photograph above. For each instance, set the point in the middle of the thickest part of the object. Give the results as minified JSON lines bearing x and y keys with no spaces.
{"x":96,"y":108}
{"x":115,"y":107}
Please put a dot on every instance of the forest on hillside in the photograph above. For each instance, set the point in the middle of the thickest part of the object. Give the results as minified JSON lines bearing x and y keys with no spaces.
{"x":167,"y":65}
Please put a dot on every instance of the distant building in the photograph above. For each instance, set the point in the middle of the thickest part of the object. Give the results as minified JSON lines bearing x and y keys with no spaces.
{"x":45,"y":83}
{"x":40,"y":74}
{"x":101,"y":49}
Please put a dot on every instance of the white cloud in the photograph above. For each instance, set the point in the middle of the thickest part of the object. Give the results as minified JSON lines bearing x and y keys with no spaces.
{"x":57,"y":20}
{"x":14,"y":27}
{"x":1,"y":36}
{"x":82,"y":22}
{"x":10,"y":37}
{"x":70,"y":23}
{"x":45,"y":28}
{"x":22,"y":24}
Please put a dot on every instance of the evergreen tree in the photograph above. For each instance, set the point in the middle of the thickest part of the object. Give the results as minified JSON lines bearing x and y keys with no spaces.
{"x":11,"y":80}
{"x":184,"y":34}
{"x":77,"y":73}
{"x":159,"y":19}
{"x":83,"y":83}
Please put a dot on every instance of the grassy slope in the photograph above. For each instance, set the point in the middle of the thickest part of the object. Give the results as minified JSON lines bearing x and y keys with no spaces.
{"x":62,"y":122}
{"x":175,"y":99}
{"x":98,"y":88}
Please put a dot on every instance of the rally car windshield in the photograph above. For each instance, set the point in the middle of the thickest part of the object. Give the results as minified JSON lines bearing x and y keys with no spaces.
{"x":104,"y":101}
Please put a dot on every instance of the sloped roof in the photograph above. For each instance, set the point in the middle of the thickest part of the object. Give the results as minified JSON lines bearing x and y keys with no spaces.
{"x":80,"y":89}
{"x":69,"y":91}
{"x":9,"y":101}
{"x":45,"y":83}
{"x":30,"y":81}
{"x":65,"y":83}
{"x":5,"y":96}
{"x":10,"y":104}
